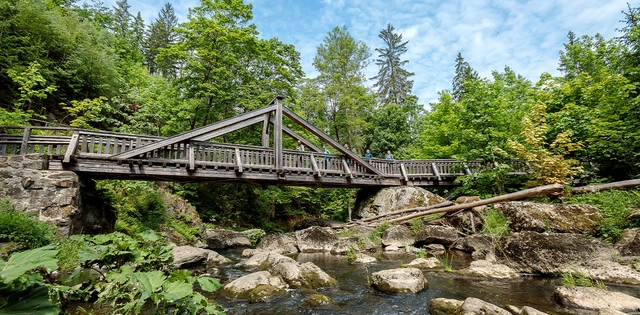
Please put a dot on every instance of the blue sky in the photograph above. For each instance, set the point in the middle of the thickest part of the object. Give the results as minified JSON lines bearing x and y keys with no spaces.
{"x":524,"y":35}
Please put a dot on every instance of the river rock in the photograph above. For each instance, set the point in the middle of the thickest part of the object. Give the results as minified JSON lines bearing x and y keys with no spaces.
{"x":264,"y":293}
{"x":560,"y":218}
{"x":282,"y":243}
{"x":442,"y":306}
{"x":608,"y":311}
{"x":398,"y":235}
{"x":591,"y":298}
{"x":433,"y":234}
{"x":374,"y":201}
{"x":317,"y":301}
{"x":215,"y":258}
{"x":364,"y":259}
{"x":245,"y":284}
{"x":483,"y":268}
{"x":629,"y":243}
{"x":473,"y":306}
{"x":550,"y":253}
{"x":401,"y":280}
{"x":266,"y":260}
{"x":357,"y":243}
{"x":527,"y":310}
{"x":184,"y":256}
{"x":479,"y":245}
{"x":608,"y":271}
{"x":321,"y":222}
{"x":316,"y":239}
{"x":221,"y":238}
{"x":314,"y":277}
{"x":425,"y":263}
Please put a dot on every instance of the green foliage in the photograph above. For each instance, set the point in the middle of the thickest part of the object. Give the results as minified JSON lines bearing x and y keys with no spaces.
{"x":416,"y":225}
{"x":22,"y":287}
{"x":495,"y":224}
{"x":255,"y":236}
{"x":490,"y":182}
{"x":576,"y":278}
{"x":375,"y":235}
{"x":616,"y":206}
{"x":351,"y":254}
{"x":139,"y":205}
{"x":189,"y":232}
{"x":19,"y":227}
{"x":446,"y":260}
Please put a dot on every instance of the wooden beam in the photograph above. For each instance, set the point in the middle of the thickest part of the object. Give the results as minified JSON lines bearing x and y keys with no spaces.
{"x":73,"y":146}
{"x":265,"y":129}
{"x":277,"y":135}
{"x":238,"y":162}
{"x":435,"y":170}
{"x":403,"y":171}
{"x":192,"y":156}
{"x":24,"y":146}
{"x":192,"y":134}
{"x":324,"y":137}
{"x":615,"y":185}
{"x":314,"y":166}
{"x":346,"y":167}
{"x":232,"y":128}
{"x":296,"y":136}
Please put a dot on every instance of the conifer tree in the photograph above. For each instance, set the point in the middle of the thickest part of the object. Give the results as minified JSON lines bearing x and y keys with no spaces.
{"x":393,"y":81}
{"x":464,"y":74}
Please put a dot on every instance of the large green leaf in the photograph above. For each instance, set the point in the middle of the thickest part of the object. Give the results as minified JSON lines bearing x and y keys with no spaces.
{"x":21,"y":262}
{"x":177,"y":290}
{"x":209,"y":284}
{"x":31,"y":302}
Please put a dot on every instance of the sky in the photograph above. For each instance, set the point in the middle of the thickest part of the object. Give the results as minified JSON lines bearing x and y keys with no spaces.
{"x":524,"y":35}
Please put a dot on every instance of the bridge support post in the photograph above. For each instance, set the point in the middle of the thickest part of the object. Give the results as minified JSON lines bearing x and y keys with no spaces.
{"x":277,"y":135}
{"x":265,"y":130}
{"x":24,"y":147}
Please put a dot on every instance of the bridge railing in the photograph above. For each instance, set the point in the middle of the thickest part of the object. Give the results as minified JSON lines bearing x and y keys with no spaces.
{"x":15,"y":140}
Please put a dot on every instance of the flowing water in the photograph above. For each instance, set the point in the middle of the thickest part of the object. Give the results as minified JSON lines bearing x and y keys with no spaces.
{"x":355,"y":296}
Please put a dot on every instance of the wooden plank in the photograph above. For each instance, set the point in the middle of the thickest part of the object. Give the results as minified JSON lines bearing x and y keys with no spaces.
{"x":73,"y":146}
{"x":192,"y":157}
{"x":24,"y":146}
{"x":615,"y":185}
{"x":232,"y":128}
{"x":346,"y":167}
{"x":314,"y":166}
{"x":403,"y":172}
{"x":324,"y":137}
{"x":193,"y":133}
{"x":265,"y":129}
{"x":435,"y":170}
{"x":277,"y":135}
{"x":238,"y":162}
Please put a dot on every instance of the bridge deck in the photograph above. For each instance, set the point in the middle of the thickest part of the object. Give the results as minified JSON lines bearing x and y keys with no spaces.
{"x":92,"y":153}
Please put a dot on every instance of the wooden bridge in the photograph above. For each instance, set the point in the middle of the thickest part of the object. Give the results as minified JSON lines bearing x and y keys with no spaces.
{"x":192,"y":157}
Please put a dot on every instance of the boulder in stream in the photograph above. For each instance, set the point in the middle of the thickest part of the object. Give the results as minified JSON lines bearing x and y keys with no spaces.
{"x":541,"y":217}
{"x":399,"y":236}
{"x":591,"y":298}
{"x":400,"y":280}
{"x":221,"y":238}
{"x":483,"y":268}
{"x":282,"y":243}
{"x":264,"y":293}
{"x":425,"y":263}
{"x":629,"y":243}
{"x":473,"y":306}
{"x":187,"y":256}
{"x":318,"y":301}
{"x":316,"y":239}
{"x":442,"y":306}
{"x":550,"y":253}
{"x":244,"y":285}
{"x":434,"y":234}
{"x":266,"y":260}
{"x":364,"y":259}
{"x":371,"y":202}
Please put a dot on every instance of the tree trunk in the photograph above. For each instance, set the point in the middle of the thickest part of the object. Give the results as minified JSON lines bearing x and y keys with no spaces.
{"x":615,"y":185}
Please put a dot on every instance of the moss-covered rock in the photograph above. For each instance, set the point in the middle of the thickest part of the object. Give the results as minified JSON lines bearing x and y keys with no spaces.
{"x":318,"y":301}
{"x":264,"y":293}
{"x":561,"y":218}
{"x":442,"y":306}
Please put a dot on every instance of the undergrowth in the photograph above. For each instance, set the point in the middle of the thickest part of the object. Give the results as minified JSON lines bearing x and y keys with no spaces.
{"x":375,"y":235}
{"x":576,"y":278}
{"x":616,"y":206}
{"x":495,"y":224}
{"x":21,"y":228}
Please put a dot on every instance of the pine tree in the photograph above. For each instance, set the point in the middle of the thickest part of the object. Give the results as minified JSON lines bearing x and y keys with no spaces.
{"x":464,"y":74}
{"x":392,"y":80}
{"x":161,"y":34}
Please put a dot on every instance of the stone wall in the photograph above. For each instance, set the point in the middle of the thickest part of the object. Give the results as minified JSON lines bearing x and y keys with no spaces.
{"x":53,"y":196}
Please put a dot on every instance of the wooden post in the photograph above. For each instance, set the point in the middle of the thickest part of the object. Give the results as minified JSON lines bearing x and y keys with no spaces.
{"x":265,"y":130}
{"x":25,"y":141}
{"x":277,"y":134}
{"x":404,"y":172}
{"x":192,"y":156}
{"x":73,"y":146}
{"x":238,"y":162}
{"x":346,"y":167}
{"x":314,"y":166}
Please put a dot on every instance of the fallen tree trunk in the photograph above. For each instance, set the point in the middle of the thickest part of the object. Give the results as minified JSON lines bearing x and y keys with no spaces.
{"x":390,"y":214}
{"x":615,"y":185}
{"x":542,"y":190}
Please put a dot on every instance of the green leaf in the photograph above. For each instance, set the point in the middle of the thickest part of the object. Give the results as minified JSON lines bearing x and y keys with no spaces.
{"x":33,"y":302}
{"x":150,"y":281}
{"x":209,"y":284}
{"x":120,"y":277}
{"x":177,"y":290}
{"x":21,"y":262}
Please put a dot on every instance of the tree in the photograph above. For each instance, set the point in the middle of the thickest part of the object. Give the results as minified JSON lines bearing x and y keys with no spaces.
{"x":463,"y":75}
{"x":341,"y":61}
{"x":393,"y":81}
{"x":160,"y":35}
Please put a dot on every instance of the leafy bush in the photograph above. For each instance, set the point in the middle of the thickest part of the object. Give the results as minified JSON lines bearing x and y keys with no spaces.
{"x":616,"y":206}
{"x":416,"y":225}
{"x":20,"y":228}
{"x":496,"y":224}
{"x":254,"y":236}
{"x":376,"y":234}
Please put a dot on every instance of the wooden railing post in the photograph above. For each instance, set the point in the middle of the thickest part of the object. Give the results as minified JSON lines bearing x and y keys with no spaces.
{"x":277,"y":134}
{"x":192,"y":156}
{"x":346,"y":167}
{"x":24,"y":147}
{"x":403,"y":171}
{"x":73,"y":146}
{"x":238,"y":162}
{"x":314,"y":166}
{"x":435,"y":170}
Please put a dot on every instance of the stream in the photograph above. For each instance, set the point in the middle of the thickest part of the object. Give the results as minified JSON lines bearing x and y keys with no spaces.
{"x":354,"y":296}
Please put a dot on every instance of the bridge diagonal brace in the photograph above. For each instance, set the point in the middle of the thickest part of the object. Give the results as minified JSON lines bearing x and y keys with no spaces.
{"x":296,"y":136}
{"x":73,"y":146}
{"x":324,"y":137}
{"x":346,"y":167}
{"x":314,"y":166}
{"x":435,"y":170}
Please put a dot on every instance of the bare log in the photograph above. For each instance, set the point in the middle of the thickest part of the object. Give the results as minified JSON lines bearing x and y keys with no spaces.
{"x":542,"y":190}
{"x":390,"y":214}
{"x":615,"y":185}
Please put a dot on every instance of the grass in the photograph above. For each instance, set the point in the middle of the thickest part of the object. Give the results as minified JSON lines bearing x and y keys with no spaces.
{"x":351,"y":255}
{"x":576,"y":278}
{"x":616,"y":206}
{"x":447,"y":262}
{"x":21,"y":228}
{"x":376,"y":234}
{"x":496,"y":224}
